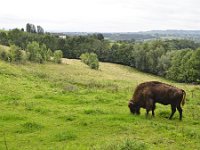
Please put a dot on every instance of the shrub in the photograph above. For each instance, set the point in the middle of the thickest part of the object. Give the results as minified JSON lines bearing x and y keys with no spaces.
{"x":13,"y":54}
{"x":16,"y":55}
{"x":38,"y":53}
{"x":4,"y":55}
{"x":58,"y":54}
{"x":91,"y":60}
{"x":85,"y":58}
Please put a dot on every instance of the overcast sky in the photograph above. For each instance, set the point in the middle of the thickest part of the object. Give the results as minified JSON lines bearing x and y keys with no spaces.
{"x":101,"y":15}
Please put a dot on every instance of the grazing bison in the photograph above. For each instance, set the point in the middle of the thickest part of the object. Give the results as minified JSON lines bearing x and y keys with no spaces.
{"x":148,"y":93}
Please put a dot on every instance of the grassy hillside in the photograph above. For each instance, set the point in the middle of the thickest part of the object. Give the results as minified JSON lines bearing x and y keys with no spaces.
{"x":70,"y":106}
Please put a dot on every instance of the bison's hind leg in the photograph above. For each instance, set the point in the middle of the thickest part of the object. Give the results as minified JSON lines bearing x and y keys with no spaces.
{"x":173,"y":111}
{"x":180,"y":112}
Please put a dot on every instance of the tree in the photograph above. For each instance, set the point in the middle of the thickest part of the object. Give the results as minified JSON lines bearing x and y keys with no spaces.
{"x":178,"y":71}
{"x":43,"y":52}
{"x":30,"y":28}
{"x":34,"y":52}
{"x":140,"y":57}
{"x":100,"y":36}
{"x":15,"y":37}
{"x":50,"y":41}
{"x":4,"y":54}
{"x":49,"y":54}
{"x":113,"y":53}
{"x":15,"y":54}
{"x":40,"y":30}
{"x":152,"y":59}
{"x":3,"y":38}
{"x":164,"y":63}
{"x":194,"y":67}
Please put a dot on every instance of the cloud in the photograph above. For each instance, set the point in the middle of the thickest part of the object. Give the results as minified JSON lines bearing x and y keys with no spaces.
{"x":101,"y":15}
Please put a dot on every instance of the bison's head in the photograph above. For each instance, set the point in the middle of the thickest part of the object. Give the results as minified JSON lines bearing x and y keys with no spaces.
{"x":134,"y":108}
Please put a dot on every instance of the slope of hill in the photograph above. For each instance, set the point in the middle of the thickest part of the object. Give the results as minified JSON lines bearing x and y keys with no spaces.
{"x":70,"y":106}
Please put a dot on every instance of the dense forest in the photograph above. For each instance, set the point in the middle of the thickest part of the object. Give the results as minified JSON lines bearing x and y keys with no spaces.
{"x":176,"y":59}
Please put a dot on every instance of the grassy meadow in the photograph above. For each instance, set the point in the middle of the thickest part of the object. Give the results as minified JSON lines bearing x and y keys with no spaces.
{"x":69,"y":106}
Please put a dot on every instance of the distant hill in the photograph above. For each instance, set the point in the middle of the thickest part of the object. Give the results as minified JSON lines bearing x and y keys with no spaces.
{"x":155,"y":34}
{"x":144,"y":35}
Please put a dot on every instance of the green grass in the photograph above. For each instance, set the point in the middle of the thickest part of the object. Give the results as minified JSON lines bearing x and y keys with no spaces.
{"x":70,"y":106}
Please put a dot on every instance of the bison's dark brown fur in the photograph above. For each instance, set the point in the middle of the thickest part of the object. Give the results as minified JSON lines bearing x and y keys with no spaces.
{"x":148,"y":93}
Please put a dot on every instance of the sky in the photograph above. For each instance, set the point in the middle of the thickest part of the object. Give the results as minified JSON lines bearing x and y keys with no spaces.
{"x":101,"y":15}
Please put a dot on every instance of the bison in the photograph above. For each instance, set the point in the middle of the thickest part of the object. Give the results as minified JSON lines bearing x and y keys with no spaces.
{"x":147,"y":94}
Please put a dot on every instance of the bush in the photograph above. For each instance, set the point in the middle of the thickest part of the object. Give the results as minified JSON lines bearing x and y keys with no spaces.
{"x":91,"y":60}
{"x":38,"y":53}
{"x":4,"y":55}
{"x":13,"y":54}
{"x":16,"y":55}
{"x":57,"y":56}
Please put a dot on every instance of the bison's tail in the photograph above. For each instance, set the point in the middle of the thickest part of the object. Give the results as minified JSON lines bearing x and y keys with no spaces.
{"x":183,"y":99}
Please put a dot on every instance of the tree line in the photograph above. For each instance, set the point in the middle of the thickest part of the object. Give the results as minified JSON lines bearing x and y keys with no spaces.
{"x":174,"y":59}
{"x":34,"y":53}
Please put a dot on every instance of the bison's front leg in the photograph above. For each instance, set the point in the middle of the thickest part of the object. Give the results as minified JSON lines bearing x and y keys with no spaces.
{"x":149,"y":106}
